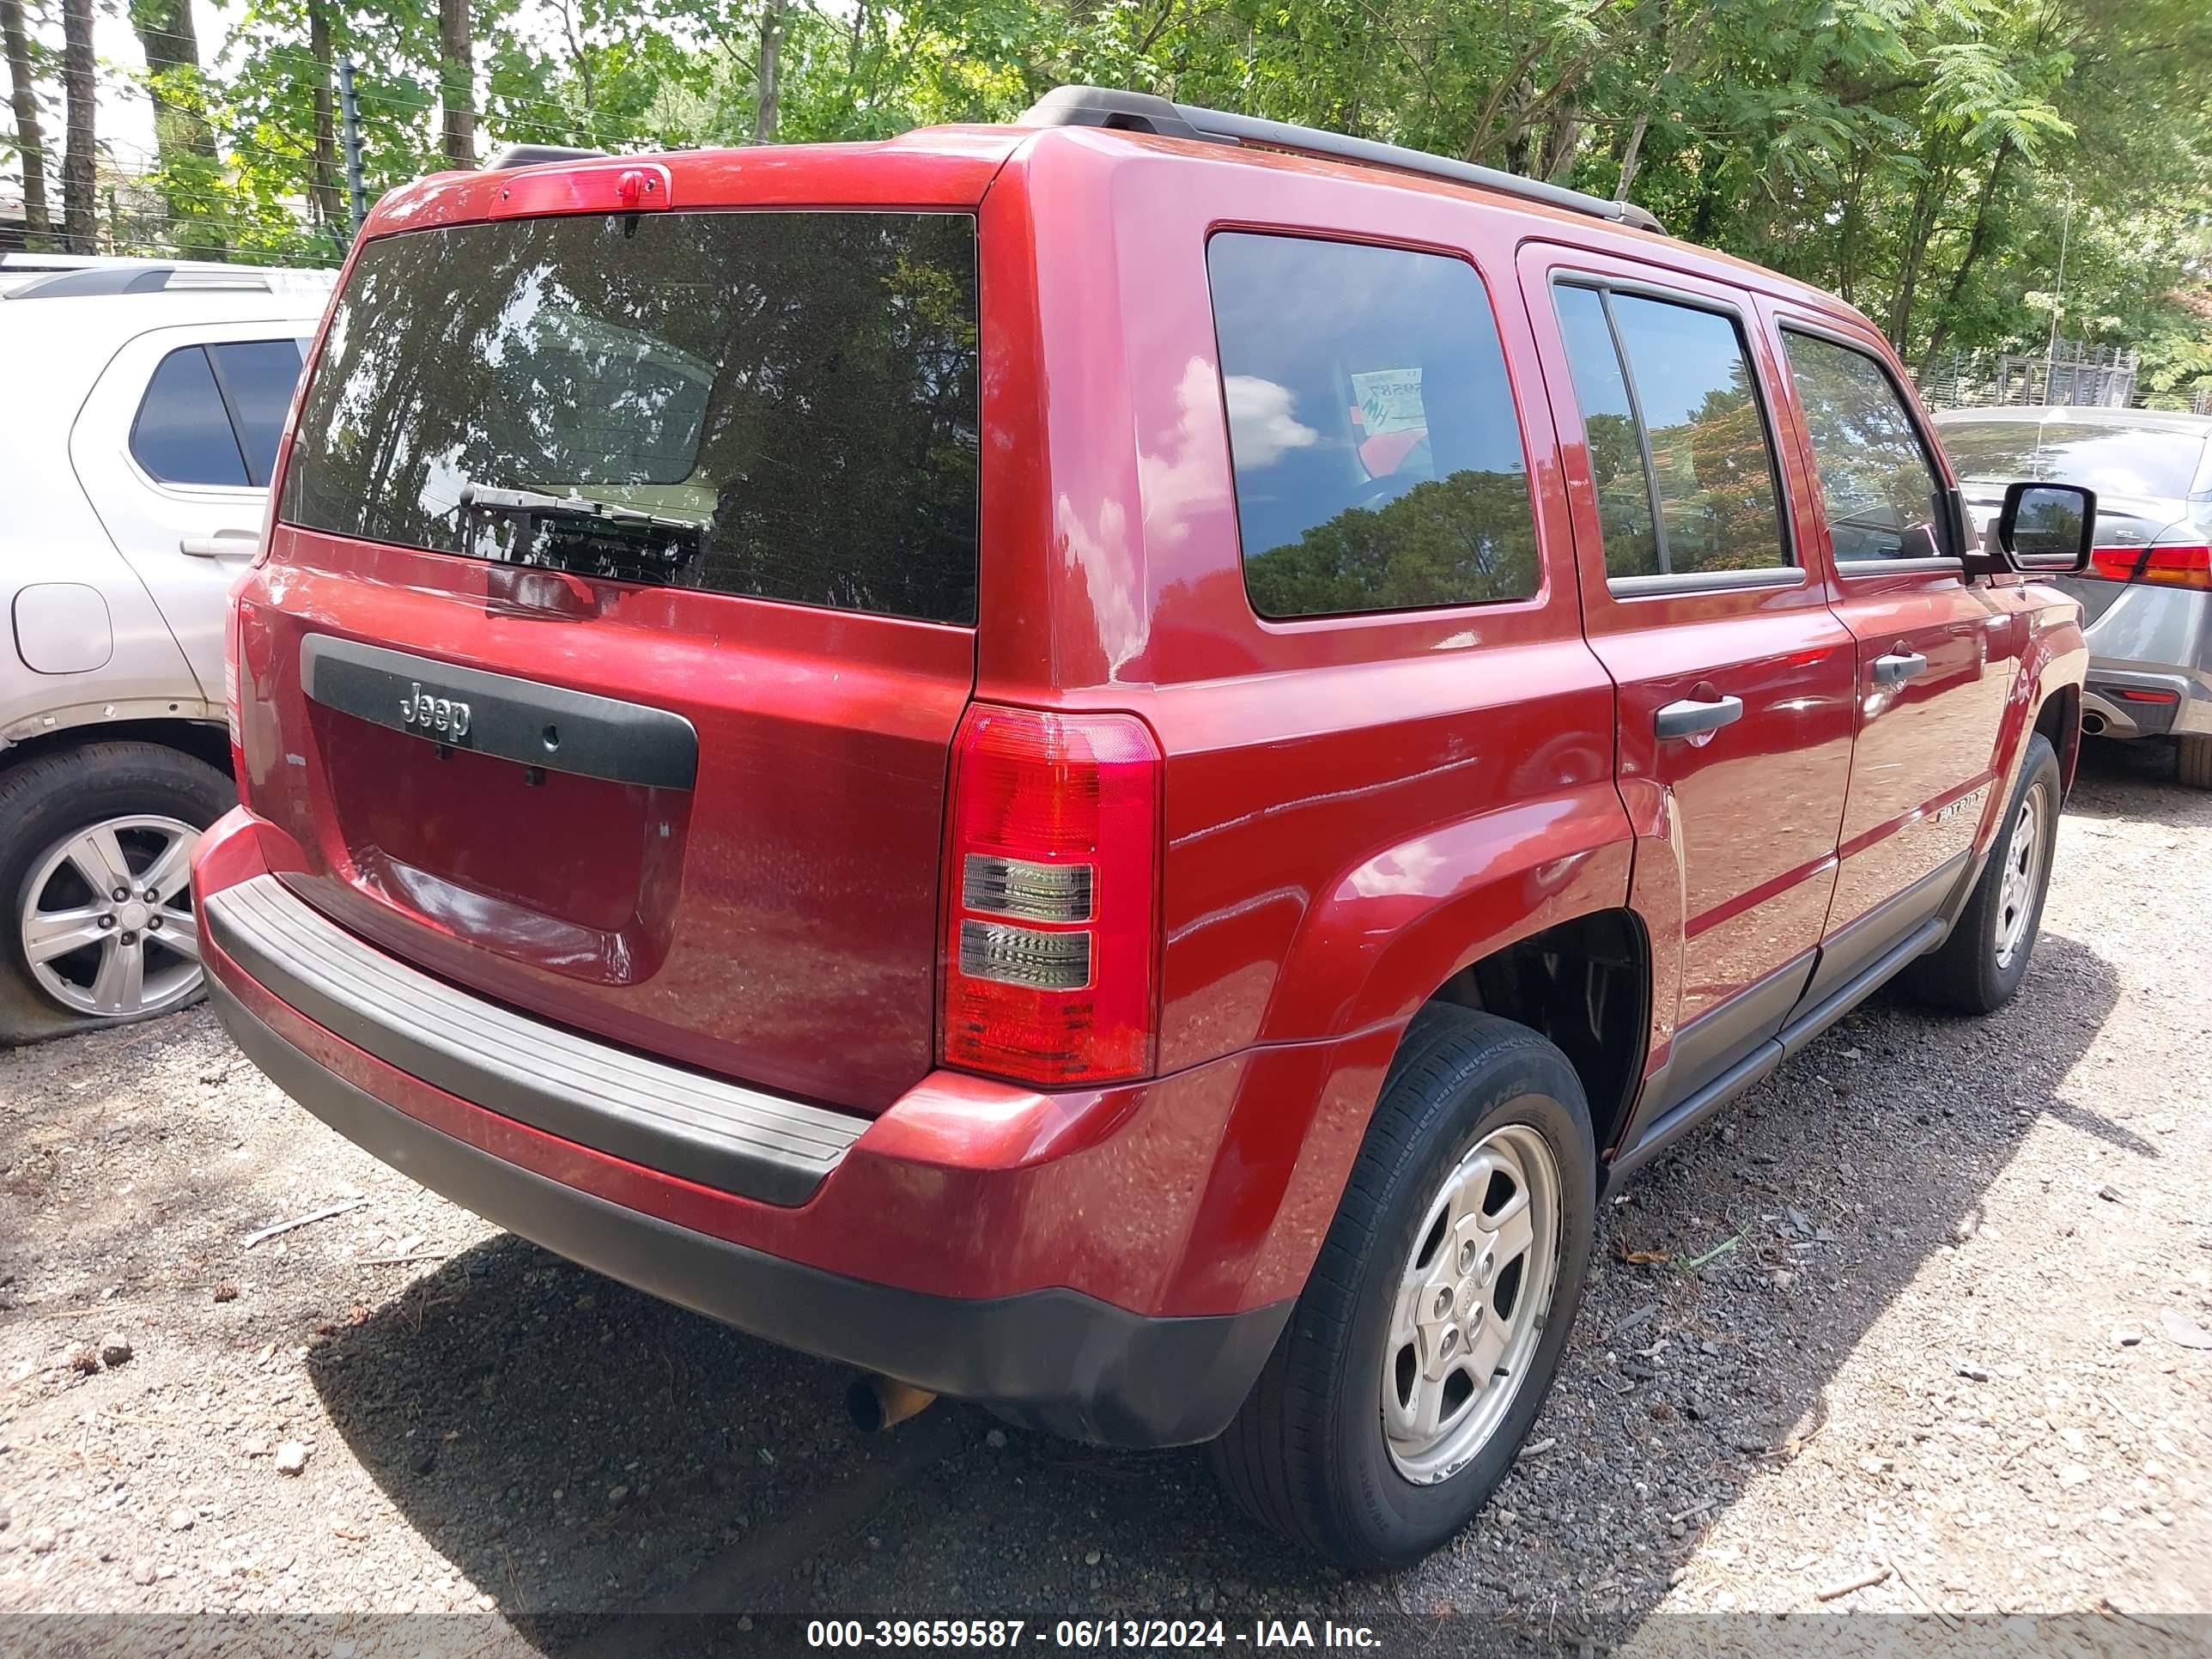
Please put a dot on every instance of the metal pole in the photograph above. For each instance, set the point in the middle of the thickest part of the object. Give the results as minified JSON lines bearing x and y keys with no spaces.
{"x":2058,"y":300}
{"x":350,"y":115}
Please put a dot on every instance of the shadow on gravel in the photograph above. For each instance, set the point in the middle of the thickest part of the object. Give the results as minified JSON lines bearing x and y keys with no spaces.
{"x":586,"y":1456}
{"x":2136,"y":781}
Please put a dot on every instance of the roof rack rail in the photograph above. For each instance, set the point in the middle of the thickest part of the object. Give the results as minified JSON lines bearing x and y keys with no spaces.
{"x":140,"y":276}
{"x":1145,"y":111}
{"x":532,"y":155}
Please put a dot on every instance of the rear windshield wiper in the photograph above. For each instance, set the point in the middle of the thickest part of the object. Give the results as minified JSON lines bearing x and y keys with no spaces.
{"x":576,"y":533}
{"x":573,"y":508}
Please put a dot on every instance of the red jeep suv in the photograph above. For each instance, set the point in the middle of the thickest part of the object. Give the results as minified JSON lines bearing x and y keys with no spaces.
{"x":1112,"y":766}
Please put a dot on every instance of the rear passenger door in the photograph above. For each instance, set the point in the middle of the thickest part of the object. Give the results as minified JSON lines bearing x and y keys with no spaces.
{"x":1936,"y":652}
{"x":174,"y":448}
{"x":1734,"y":678}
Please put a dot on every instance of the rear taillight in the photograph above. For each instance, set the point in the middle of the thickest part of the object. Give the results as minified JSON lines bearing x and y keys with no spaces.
{"x":233,"y":621}
{"x":1052,"y":880}
{"x":2160,"y":564}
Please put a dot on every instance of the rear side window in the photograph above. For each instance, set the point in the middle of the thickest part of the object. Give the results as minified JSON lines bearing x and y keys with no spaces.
{"x":256,"y":378}
{"x":1615,"y":440}
{"x":1880,"y":493}
{"x":1683,"y":375}
{"x":779,"y":404}
{"x":182,"y":433}
{"x":213,"y":414}
{"x":1377,"y":453}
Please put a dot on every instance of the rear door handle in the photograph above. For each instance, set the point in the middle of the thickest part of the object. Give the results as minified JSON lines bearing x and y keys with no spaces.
{"x":223,"y":545}
{"x":1898,"y":666}
{"x":1691,"y":719}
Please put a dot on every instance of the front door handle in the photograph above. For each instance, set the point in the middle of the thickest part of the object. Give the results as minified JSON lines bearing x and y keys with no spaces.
{"x":1898,"y":666}
{"x":223,"y":545}
{"x":1691,"y":718}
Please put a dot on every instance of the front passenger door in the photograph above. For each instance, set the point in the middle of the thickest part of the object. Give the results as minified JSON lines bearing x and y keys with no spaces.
{"x":1936,"y":652}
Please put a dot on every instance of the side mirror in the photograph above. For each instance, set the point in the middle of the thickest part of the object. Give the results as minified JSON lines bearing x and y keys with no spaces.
{"x":2048,"y":529}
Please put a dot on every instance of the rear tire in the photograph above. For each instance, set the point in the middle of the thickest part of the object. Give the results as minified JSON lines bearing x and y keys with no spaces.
{"x":2192,"y":762}
{"x":1328,"y":1450}
{"x":150,"y":802}
{"x":1979,"y":967}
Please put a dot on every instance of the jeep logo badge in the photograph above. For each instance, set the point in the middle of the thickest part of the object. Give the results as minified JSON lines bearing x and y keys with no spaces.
{"x":445,"y":718}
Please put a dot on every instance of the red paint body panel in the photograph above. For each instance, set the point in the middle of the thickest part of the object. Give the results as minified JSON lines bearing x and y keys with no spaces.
{"x":1352,"y":809}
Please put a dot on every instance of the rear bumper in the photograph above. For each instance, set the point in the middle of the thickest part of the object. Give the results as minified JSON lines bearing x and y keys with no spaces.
{"x":1054,"y":1358}
{"x":2134,"y":700}
{"x":1114,"y":1265}
{"x":2148,"y":639}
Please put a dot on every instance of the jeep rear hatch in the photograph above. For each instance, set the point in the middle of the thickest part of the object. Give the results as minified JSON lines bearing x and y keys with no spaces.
{"x":619,"y":618}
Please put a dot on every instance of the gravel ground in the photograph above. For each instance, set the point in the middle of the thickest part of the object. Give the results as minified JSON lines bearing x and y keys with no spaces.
{"x":1928,"y":1310}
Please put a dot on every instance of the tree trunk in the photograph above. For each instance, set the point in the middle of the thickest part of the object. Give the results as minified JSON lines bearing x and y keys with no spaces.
{"x":1680,"y":61}
{"x":1561,"y":141}
{"x":770,"y":81}
{"x":1978,"y":241}
{"x":456,"y":82}
{"x":330,"y":206}
{"x":79,"y":235}
{"x":182,"y":138}
{"x":1927,"y":197}
{"x":1628,"y":155}
{"x":30,"y":143}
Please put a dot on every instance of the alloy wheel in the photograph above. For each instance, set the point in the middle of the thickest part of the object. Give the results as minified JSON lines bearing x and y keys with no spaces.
{"x":1470,"y":1306}
{"x":2023,"y":875}
{"x":107,"y":919}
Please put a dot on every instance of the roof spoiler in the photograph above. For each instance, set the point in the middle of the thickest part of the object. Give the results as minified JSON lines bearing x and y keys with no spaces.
{"x":535,"y":156}
{"x":1144,"y":112}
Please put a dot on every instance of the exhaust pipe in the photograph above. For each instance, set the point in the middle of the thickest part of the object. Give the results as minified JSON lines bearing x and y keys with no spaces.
{"x":2093,"y":723}
{"x":877,"y":1402}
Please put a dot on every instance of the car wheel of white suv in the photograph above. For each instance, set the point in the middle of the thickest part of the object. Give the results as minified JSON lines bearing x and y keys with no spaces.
{"x":96,"y":863}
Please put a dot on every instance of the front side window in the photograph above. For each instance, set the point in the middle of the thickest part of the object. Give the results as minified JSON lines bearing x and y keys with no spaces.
{"x":1881,"y":495}
{"x":1680,"y":378}
{"x":1372,"y":429}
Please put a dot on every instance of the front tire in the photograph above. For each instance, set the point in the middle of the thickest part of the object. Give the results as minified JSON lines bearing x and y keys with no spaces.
{"x":1979,"y":967}
{"x":95,"y":868}
{"x":1461,"y":1247}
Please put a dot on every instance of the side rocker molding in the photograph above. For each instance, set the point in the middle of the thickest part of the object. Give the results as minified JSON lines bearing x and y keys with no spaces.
{"x":1673,"y":1124}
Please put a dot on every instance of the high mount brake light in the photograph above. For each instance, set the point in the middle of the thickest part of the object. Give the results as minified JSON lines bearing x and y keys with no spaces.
{"x":1050,"y":954}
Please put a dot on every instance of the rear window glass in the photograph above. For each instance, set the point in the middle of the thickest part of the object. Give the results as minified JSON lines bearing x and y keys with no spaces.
{"x":778,"y":405}
{"x":2122,"y":460}
{"x":1376,"y":451}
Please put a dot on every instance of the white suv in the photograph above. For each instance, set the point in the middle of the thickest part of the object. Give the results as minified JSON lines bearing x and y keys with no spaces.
{"x":145,"y":403}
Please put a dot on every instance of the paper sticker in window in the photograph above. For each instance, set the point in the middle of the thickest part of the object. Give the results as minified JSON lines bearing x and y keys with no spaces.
{"x":1390,"y":416}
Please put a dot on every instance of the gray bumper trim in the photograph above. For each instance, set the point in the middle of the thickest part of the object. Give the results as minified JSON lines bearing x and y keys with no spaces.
{"x":1053,"y":1359}
{"x":704,"y":1129}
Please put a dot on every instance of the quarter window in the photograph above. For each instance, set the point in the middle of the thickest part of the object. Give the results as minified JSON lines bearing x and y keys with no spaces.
{"x":1375,"y":447}
{"x":1680,"y":378}
{"x":1881,"y":495}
